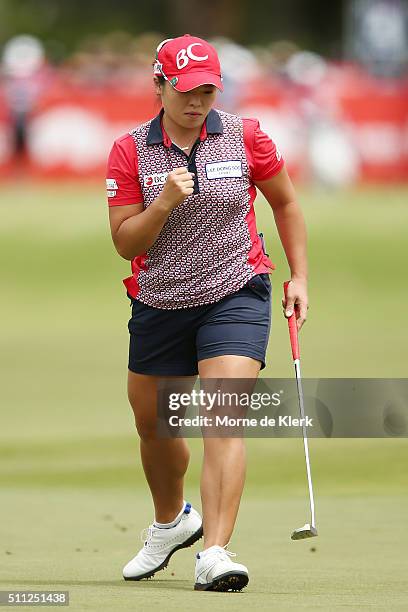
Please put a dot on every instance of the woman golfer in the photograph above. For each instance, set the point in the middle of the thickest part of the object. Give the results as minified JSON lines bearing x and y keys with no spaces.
{"x":181,"y":191}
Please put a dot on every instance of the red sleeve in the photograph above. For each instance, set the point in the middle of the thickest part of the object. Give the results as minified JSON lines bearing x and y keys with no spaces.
{"x":122,"y":181}
{"x":264,"y":158}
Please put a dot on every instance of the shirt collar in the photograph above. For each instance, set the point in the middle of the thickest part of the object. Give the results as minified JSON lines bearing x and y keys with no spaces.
{"x":157,"y":133}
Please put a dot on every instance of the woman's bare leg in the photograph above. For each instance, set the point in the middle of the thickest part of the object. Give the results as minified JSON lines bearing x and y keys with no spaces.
{"x":164,"y":460}
{"x":224,"y":464}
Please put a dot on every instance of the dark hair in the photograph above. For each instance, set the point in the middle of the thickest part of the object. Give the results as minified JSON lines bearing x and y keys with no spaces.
{"x":161,"y":81}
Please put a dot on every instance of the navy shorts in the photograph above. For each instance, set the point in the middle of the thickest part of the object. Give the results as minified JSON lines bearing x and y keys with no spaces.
{"x":171,"y":342}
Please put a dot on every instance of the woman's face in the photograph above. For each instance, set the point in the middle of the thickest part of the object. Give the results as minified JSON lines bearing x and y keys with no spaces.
{"x":187,"y":109}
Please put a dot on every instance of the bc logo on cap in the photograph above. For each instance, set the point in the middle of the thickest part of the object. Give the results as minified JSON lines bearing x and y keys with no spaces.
{"x":184,"y":55}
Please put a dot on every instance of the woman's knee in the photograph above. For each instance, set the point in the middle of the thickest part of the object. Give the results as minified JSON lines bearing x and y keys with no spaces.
{"x":223,"y":446}
{"x":146,"y":428}
{"x":142,"y":394}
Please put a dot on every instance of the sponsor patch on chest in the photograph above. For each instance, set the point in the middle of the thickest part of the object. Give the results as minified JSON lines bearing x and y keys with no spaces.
{"x":150,"y":180}
{"x":224,"y":169}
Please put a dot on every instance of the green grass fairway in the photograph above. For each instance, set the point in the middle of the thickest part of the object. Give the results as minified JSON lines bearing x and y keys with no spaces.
{"x":73,"y":499}
{"x":78,"y":540}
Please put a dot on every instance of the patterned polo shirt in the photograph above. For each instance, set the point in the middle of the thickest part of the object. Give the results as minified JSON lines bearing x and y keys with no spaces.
{"x":209,"y":246}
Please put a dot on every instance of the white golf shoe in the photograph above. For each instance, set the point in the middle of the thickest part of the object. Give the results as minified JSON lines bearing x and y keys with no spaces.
{"x":216,"y":572}
{"x":161,"y":544}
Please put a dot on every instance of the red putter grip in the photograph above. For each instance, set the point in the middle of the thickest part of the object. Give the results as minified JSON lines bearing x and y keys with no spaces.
{"x":293,"y":332}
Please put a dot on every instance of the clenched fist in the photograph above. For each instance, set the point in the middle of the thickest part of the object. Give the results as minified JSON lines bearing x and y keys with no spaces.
{"x":179,"y":184}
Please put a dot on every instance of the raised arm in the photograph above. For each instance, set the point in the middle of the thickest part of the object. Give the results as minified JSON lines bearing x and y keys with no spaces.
{"x":290,"y":223}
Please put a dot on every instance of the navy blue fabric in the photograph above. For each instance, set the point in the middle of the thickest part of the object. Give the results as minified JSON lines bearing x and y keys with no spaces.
{"x":171,"y":342}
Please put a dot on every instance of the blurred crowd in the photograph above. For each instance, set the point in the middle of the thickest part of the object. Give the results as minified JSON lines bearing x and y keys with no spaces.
{"x":122,"y":61}
{"x":302,"y":97}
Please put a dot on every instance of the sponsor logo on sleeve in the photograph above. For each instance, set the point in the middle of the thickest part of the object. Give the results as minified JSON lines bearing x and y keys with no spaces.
{"x":111,"y":187}
{"x":224,"y":169}
{"x":151,"y":180}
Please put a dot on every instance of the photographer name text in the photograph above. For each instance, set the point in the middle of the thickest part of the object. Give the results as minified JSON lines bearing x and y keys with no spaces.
{"x":228,"y":421}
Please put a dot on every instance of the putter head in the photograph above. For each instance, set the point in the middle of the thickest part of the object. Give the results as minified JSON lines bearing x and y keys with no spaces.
{"x":307,"y":531}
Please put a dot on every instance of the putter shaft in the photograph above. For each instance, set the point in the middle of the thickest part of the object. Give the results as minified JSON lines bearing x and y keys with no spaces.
{"x":305,"y":442}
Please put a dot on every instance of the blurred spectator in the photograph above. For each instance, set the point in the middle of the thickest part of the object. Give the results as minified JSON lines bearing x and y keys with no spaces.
{"x":240,"y":67}
{"x":377,"y":35}
{"x":25,"y":76}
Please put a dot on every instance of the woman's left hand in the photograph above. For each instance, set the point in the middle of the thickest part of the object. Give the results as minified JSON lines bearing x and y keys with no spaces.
{"x":296,"y":301}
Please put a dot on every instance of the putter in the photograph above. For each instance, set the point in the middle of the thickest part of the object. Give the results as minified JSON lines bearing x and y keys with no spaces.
{"x":309,"y":529}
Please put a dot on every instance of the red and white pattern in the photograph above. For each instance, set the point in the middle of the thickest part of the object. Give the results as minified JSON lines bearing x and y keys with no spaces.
{"x":205,"y":250}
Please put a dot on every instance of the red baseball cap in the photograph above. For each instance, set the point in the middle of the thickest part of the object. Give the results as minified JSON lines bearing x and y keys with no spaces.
{"x":188,"y":62}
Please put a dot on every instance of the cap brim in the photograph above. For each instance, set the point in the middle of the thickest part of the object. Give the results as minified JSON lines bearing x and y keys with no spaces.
{"x":191,"y":80}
